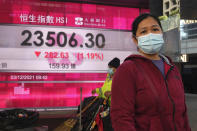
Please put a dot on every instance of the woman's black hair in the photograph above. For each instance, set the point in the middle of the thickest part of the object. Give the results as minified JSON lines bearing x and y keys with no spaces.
{"x":141,"y":17}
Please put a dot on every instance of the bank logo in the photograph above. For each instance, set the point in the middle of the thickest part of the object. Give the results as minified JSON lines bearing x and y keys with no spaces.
{"x":78,"y":21}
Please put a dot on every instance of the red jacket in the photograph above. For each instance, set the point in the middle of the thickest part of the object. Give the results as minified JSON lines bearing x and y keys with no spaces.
{"x":134,"y":105}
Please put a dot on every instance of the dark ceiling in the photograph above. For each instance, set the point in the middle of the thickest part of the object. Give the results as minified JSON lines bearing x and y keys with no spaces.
{"x":188,"y":9}
{"x":125,"y":3}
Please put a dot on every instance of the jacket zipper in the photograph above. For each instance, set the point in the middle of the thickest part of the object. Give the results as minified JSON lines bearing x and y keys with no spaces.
{"x":173,"y":113}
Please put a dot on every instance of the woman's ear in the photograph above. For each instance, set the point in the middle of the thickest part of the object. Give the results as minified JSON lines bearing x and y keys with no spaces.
{"x":135,"y":40}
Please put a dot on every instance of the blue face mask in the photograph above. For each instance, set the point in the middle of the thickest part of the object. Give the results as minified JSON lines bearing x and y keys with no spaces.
{"x":110,"y":71}
{"x":151,"y":43}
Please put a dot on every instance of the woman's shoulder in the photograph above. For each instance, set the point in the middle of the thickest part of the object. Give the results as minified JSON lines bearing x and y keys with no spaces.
{"x":129,"y":65}
{"x":130,"y":61}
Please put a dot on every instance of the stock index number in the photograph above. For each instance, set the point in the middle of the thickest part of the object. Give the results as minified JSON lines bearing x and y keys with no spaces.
{"x":61,"y":39}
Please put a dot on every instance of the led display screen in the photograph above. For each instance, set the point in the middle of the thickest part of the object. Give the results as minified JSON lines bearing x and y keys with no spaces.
{"x":49,"y":50}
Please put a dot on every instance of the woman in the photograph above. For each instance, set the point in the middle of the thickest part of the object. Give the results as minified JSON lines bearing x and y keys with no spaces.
{"x":147,"y":90}
{"x":105,"y":90}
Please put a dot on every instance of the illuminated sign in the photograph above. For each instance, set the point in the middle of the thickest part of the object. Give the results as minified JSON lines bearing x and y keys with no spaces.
{"x":52,"y":13}
{"x":188,"y":21}
{"x":42,"y":19}
{"x":38,"y":48}
{"x":184,"y":58}
{"x":49,"y":50}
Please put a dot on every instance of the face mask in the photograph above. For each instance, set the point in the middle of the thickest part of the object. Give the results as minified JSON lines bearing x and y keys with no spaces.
{"x":110,"y":71}
{"x":151,"y":43}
